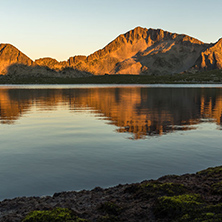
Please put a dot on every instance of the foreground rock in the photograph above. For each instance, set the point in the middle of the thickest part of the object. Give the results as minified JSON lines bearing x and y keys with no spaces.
{"x":170,"y":198}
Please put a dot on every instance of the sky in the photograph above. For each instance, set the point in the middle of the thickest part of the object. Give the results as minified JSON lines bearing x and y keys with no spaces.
{"x":64,"y":28}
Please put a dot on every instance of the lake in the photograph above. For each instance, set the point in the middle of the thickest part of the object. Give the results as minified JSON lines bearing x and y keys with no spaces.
{"x":61,"y":138}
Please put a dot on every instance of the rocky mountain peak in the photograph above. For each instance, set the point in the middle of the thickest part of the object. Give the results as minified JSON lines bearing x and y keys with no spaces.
{"x":11,"y":55}
{"x":211,"y":58}
{"x":143,"y":50}
{"x":138,"y":51}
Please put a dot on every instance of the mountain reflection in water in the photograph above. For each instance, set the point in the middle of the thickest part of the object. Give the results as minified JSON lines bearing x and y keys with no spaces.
{"x":139,"y":111}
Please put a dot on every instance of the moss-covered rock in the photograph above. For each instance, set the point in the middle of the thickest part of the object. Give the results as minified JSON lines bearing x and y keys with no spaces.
{"x":177,"y":206}
{"x":157,"y":188}
{"x":110,"y":208}
{"x":55,"y":215}
{"x":187,"y":207}
{"x":165,"y":199}
{"x":209,"y":213}
{"x":211,"y":172}
{"x":217,"y":188}
{"x":203,"y":217}
{"x":108,"y":218}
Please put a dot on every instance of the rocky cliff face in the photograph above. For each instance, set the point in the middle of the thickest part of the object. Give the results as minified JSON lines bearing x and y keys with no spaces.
{"x":147,"y":51}
{"x":211,"y":58}
{"x":51,"y":63}
{"x":139,"y":51}
{"x":14,"y":62}
{"x":10,"y":55}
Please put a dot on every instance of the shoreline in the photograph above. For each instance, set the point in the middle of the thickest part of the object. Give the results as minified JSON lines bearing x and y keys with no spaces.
{"x":145,"y":201}
{"x":205,"y":77}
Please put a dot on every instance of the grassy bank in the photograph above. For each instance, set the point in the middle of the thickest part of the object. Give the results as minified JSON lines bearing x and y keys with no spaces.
{"x":214,"y":76}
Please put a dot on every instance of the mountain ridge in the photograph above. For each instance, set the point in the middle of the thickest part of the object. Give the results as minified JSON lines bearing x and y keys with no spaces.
{"x":9,"y":55}
{"x":138,"y":51}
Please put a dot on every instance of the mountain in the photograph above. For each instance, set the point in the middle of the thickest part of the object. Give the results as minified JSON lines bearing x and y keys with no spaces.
{"x":139,"y":51}
{"x":211,"y":58}
{"x":147,"y":51}
{"x":10,"y":55}
{"x":51,"y":63}
{"x":14,"y":62}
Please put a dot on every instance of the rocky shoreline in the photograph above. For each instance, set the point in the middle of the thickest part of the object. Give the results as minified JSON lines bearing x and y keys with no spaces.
{"x":187,"y":197}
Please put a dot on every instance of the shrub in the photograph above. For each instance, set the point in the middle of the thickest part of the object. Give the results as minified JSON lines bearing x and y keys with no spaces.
{"x":177,"y":206}
{"x":55,"y":215}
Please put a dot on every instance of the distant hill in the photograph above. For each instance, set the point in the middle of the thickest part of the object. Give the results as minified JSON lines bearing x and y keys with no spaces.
{"x":139,"y":51}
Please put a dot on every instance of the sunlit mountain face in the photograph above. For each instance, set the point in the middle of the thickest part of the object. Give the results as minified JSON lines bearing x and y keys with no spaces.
{"x":139,"y":112}
{"x":138,"y":51}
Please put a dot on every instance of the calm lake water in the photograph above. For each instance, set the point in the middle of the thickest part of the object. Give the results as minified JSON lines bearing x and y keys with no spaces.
{"x":60,"y":138}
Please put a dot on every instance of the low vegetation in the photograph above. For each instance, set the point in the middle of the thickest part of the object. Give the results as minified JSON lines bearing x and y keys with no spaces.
{"x":214,"y":172}
{"x":174,"y":207}
{"x":55,"y":215}
{"x":110,"y":212}
{"x":214,"y":76}
{"x":187,"y":207}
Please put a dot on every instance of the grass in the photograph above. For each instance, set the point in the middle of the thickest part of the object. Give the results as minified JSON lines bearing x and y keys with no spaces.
{"x":187,"y":207}
{"x":55,"y":215}
{"x":176,"y":206}
{"x":163,"y":188}
{"x":111,"y":211}
{"x":214,"y":76}
{"x":217,"y":188}
{"x":155,"y":189}
{"x":212,"y":172}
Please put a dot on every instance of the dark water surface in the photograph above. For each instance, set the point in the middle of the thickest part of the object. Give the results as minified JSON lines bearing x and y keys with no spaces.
{"x":70,"y":138}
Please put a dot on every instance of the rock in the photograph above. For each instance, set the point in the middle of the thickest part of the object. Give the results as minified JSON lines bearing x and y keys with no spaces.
{"x":10,"y":55}
{"x":51,"y":63}
{"x":139,"y":51}
{"x":76,"y":59}
{"x":211,"y":58}
{"x":147,"y":51}
{"x":189,"y":197}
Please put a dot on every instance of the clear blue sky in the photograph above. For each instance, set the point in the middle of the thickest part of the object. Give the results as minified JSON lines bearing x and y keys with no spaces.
{"x":64,"y":28}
